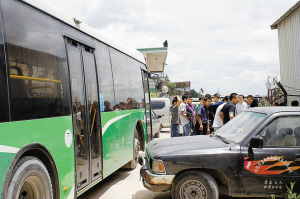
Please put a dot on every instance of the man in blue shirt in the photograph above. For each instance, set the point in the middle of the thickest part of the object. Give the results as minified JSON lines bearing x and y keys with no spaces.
{"x":202,"y":121}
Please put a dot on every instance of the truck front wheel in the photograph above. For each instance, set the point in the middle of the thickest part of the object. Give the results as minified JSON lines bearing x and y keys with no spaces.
{"x":30,"y":179}
{"x":195,"y":185}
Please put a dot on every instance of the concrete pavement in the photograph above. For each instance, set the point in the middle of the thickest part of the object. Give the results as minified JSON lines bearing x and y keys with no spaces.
{"x":125,"y":184}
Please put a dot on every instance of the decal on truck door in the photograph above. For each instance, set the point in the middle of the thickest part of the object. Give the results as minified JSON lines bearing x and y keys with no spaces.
{"x":273,"y":165}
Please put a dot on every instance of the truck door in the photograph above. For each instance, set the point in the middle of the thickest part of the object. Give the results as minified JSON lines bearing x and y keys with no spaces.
{"x":272,"y":168}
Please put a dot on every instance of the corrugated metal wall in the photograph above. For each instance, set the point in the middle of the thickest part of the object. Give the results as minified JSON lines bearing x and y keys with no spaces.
{"x":289,"y":54}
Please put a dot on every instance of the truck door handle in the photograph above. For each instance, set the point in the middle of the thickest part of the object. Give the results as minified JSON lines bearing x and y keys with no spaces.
{"x":297,"y":156}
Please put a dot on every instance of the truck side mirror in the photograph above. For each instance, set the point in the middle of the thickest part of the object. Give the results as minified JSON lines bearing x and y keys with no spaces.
{"x":256,"y":142}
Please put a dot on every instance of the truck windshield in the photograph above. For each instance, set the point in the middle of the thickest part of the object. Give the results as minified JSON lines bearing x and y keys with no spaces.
{"x":240,"y":126}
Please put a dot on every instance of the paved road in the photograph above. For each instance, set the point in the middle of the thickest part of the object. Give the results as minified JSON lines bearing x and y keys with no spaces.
{"x":125,"y":184}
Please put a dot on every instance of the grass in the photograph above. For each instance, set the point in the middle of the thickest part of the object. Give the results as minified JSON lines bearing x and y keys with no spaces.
{"x":290,"y":194}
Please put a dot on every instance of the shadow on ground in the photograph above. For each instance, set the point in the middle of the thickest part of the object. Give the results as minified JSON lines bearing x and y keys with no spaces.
{"x":104,"y":185}
{"x":146,"y":194}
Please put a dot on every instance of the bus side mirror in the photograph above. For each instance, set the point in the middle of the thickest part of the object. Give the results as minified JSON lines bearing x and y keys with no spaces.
{"x":256,"y":142}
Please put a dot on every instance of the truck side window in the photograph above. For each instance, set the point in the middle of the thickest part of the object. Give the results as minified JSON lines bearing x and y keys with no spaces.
{"x":282,"y":132}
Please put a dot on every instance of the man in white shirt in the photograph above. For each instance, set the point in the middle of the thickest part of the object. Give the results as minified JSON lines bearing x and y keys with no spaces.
{"x":241,"y":105}
{"x":217,"y":121}
{"x":183,"y":117}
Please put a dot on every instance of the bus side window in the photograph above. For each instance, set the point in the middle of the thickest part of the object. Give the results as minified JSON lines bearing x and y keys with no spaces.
{"x":38,"y":80}
{"x":136,"y":83}
{"x":105,"y":78}
{"x":4,"y":116}
{"x":121,"y":79}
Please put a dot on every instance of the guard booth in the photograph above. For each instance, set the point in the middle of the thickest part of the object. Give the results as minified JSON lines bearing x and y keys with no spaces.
{"x":155,"y":59}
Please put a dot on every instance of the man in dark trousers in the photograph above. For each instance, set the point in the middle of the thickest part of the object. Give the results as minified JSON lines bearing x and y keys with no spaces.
{"x":175,"y":123}
{"x":228,"y":111}
{"x":202,"y":122}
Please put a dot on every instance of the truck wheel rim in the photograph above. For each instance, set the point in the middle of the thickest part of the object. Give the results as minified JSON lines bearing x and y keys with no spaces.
{"x":193,"y":189}
{"x":32,"y":188}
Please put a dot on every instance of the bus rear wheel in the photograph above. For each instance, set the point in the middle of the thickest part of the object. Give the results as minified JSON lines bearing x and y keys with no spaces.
{"x":30,"y":179}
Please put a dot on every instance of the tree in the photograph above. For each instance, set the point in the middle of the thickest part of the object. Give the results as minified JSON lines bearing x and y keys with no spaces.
{"x":171,"y":86}
{"x":193,"y":93}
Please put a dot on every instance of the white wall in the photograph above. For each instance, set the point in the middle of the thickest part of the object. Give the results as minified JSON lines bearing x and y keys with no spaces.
{"x":289,"y":54}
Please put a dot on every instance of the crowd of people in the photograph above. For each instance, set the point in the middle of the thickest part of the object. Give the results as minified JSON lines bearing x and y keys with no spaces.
{"x":207,"y":117}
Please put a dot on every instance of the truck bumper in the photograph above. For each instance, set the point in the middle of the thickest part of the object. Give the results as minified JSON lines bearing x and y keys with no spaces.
{"x":152,"y":181}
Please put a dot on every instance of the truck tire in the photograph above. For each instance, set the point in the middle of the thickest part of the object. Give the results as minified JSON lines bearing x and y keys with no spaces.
{"x":195,"y":184}
{"x":30,"y":179}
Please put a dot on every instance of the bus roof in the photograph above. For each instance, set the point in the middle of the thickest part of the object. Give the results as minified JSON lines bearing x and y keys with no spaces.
{"x":68,"y":19}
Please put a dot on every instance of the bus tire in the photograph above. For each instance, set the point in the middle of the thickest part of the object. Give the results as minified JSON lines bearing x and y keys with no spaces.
{"x":30,"y":179}
{"x":157,"y":135}
{"x":133,"y":163}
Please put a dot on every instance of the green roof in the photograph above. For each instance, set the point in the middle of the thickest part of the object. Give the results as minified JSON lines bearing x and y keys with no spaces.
{"x":153,"y":49}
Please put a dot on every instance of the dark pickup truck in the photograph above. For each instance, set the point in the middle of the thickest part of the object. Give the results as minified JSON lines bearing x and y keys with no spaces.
{"x":256,"y":154}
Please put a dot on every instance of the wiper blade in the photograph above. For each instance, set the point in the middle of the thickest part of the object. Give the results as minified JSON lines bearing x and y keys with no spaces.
{"x":223,"y":139}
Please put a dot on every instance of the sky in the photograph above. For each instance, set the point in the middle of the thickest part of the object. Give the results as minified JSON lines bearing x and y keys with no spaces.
{"x":220,"y":46}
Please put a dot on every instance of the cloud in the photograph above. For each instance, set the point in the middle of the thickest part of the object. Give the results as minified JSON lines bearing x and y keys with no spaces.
{"x":261,"y":56}
{"x":261,"y":36}
{"x":217,"y":45}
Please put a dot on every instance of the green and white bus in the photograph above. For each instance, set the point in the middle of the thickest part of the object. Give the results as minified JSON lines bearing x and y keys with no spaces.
{"x":73,"y":103}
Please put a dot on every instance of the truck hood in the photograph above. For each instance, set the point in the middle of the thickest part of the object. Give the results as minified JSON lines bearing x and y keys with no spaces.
{"x":189,"y":144}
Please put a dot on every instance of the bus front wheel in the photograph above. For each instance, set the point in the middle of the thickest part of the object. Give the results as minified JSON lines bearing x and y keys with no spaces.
{"x":30,"y":179}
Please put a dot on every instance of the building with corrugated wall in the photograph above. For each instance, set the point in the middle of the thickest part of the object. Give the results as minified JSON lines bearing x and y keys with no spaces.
{"x":288,"y":28}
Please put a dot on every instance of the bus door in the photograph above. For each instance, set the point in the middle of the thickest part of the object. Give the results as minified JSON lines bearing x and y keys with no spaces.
{"x":148,"y":105}
{"x":86,"y":115}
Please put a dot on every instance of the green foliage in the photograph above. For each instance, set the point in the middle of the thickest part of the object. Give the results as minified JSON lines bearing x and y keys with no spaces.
{"x":172,"y":90}
{"x":290,"y":194}
{"x":171,"y":86}
{"x":273,"y":196}
{"x":194,"y":94}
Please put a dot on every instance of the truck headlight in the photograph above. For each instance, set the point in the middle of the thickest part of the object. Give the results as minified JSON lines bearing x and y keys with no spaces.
{"x":158,"y":166}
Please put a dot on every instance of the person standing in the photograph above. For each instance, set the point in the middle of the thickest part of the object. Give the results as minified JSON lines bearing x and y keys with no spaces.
{"x":241,"y":105}
{"x":175,"y":124}
{"x":183,"y":117}
{"x":190,"y":109}
{"x":228,"y":111}
{"x":200,"y":102}
{"x":294,"y":103}
{"x":196,"y":107}
{"x":202,"y":123}
{"x":214,"y":107}
{"x":275,"y":103}
{"x":262,"y":103}
{"x":217,"y":121}
{"x":254,"y":103}
{"x":249,"y":100}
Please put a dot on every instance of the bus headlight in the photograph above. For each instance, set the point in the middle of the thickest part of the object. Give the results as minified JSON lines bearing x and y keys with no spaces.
{"x":158,"y":166}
